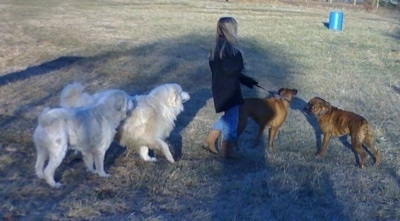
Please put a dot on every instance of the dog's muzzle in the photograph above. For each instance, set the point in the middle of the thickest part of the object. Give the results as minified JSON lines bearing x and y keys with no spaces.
{"x":185,"y":96}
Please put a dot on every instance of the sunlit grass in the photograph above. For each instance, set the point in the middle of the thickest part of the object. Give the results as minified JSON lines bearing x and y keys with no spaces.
{"x":136,"y":45}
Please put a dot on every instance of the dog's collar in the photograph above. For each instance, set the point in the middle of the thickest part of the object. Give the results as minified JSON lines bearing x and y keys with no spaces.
{"x":279,"y":97}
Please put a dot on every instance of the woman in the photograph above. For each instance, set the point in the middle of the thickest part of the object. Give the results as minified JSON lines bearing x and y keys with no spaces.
{"x":226,"y":64}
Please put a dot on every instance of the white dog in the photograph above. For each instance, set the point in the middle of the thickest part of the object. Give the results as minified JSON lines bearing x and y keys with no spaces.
{"x":89,"y":129}
{"x":150,"y":122}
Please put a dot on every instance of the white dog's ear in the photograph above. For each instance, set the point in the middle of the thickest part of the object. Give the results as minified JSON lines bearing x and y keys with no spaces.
{"x":174,"y":99}
{"x":119,"y":103}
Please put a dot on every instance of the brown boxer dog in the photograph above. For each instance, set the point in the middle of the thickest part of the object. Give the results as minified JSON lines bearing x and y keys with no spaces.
{"x":266,"y":112}
{"x":336,"y":122}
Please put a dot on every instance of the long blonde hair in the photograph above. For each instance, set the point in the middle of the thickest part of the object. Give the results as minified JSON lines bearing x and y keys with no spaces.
{"x":226,"y":42}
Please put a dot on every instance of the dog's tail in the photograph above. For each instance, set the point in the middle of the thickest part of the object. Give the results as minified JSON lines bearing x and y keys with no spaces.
{"x":369,"y":142}
{"x":368,"y":131}
{"x":73,"y":95}
{"x":49,"y":116}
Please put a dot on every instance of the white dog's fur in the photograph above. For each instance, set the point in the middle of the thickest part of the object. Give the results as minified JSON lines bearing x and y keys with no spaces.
{"x":73,"y":95}
{"x":151,"y":121}
{"x":89,"y":129}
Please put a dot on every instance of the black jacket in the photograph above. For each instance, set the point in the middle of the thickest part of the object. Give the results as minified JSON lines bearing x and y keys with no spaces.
{"x":226,"y":78}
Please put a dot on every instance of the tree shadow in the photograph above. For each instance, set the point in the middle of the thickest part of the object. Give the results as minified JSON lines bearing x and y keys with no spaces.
{"x":41,"y":69}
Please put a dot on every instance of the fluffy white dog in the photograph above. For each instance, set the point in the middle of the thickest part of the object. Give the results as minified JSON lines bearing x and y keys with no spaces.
{"x":149,"y":123}
{"x":152,"y":121}
{"x":89,"y":129}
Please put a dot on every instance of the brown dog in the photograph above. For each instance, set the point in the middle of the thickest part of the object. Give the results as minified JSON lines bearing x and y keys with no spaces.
{"x":266,"y":112}
{"x":336,"y":122}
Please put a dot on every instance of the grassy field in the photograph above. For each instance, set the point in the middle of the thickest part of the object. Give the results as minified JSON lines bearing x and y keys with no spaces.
{"x":136,"y":45}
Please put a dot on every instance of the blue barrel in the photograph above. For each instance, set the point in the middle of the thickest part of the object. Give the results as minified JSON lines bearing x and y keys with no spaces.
{"x":336,"y":20}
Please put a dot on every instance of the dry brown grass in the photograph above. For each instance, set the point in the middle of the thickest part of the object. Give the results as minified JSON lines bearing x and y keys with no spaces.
{"x":136,"y":45}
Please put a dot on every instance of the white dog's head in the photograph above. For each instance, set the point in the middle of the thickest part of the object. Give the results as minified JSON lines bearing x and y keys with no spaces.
{"x":117,"y":102}
{"x":171,"y":94}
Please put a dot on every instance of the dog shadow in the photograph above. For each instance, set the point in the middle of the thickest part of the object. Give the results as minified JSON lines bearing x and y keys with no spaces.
{"x":75,"y":157}
{"x":345,"y":141}
{"x":39,"y":69}
{"x":396,"y":88}
{"x":395,"y":175}
{"x":113,"y":153}
{"x":299,"y":104}
{"x":197,"y":100}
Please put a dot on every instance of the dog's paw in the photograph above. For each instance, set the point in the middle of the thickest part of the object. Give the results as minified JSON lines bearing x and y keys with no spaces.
{"x":149,"y":159}
{"x":56,"y":185}
{"x":103,"y":174}
{"x":40,"y":175}
{"x":152,"y":159}
{"x":270,"y":156}
{"x":377,"y":161}
{"x":91,"y":170}
{"x":359,"y":165}
{"x":318,"y":154}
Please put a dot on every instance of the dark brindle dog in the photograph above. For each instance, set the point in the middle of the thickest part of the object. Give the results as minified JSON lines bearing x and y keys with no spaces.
{"x":336,"y":122}
{"x":266,"y":112}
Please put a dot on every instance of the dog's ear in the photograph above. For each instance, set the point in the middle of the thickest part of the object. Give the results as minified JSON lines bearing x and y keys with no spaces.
{"x":177,"y":98}
{"x":174,"y":99}
{"x":280,"y":90}
{"x":119,"y":103}
{"x":328,"y":105}
{"x":295,"y":91}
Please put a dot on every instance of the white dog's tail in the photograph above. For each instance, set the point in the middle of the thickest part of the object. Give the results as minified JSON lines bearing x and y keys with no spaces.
{"x":49,"y":116}
{"x":42,"y":116}
{"x":73,"y":95}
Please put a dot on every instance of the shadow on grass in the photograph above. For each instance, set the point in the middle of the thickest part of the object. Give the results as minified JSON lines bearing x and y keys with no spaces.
{"x":197,"y":101}
{"x":395,"y":34}
{"x":393,"y":171}
{"x":396,"y":89}
{"x":299,"y":104}
{"x":41,"y":69}
{"x":6,"y":119}
{"x":244,"y":191}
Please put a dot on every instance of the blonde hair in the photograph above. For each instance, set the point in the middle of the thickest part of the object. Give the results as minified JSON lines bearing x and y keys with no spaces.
{"x":226,"y":39}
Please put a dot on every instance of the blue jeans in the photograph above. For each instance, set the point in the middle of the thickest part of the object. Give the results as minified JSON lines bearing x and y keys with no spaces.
{"x":228,"y":123}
